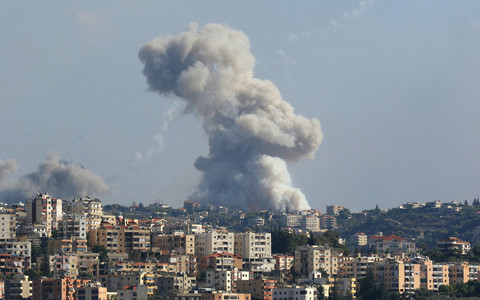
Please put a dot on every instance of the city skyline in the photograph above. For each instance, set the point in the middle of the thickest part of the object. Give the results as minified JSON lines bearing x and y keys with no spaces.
{"x":394,"y":86}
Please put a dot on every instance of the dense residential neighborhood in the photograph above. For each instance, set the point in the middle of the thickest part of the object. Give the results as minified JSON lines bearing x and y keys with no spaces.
{"x":80,"y":249}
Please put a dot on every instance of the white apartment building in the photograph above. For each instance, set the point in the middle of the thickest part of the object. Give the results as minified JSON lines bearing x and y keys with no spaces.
{"x":253,"y":245}
{"x":295,"y":293}
{"x":17,"y":248}
{"x":90,"y":208}
{"x":7,"y":227}
{"x":45,"y":210}
{"x":73,"y":225}
{"x":214,"y":242}
{"x":225,"y":280}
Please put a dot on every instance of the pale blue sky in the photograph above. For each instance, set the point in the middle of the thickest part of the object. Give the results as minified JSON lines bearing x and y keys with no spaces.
{"x":395,"y":85}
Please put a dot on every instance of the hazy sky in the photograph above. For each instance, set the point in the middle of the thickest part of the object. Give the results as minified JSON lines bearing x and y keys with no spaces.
{"x":395,"y":85}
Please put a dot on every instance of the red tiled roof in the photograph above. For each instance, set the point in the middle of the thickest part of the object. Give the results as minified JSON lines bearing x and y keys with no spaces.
{"x":387,"y":237}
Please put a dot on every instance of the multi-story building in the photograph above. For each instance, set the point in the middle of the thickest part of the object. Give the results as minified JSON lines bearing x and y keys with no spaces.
{"x":360,"y":239}
{"x":398,"y":276}
{"x":253,"y":245}
{"x":183,"y":227}
{"x":178,"y":242}
{"x":328,"y":222}
{"x":214,"y":242}
{"x":13,"y":264}
{"x":357,"y":267}
{"x":318,"y":257}
{"x":45,"y":210}
{"x":58,"y":288}
{"x":458,"y":272}
{"x":73,"y":225}
{"x":221,"y":262}
{"x":7,"y":227}
{"x":295,"y":292}
{"x":292,"y":220}
{"x":180,"y":263}
{"x":225,"y":296}
{"x":91,"y":291}
{"x":120,"y":239}
{"x":333,"y":210}
{"x":310,"y":223}
{"x":175,"y":282}
{"x":261,"y":289}
{"x":453,"y":244}
{"x":283,"y":262}
{"x":64,"y":265}
{"x":226,"y":280}
{"x":432,"y":275}
{"x":133,"y":292}
{"x":90,"y":208}
{"x":70,"y":245}
{"x":391,"y":244}
{"x":255,"y":222}
{"x":18,"y":287}
{"x":16,"y":248}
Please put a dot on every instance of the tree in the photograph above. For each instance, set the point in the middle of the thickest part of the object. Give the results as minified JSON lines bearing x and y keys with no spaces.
{"x":102,"y":252}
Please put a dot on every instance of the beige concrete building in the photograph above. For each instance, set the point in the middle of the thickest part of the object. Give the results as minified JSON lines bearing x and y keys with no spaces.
{"x":214,"y":242}
{"x":398,"y":276}
{"x":318,"y":257}
{"x":90,"y":208}
{"x":253,"y":245}
{"x":7,"y":227}
{"x":178,"y":242}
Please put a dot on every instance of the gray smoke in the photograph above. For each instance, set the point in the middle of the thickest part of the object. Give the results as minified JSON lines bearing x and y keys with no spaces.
{"x":7,"y":167}
{"x":58,"y":177}
{"x":252,"y":131}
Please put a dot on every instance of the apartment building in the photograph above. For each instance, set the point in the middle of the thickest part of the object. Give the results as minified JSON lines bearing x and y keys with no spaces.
{"x":177,"y":242}
{"x":328,"y":222}
{"x":357,"y":267}
{"x":73,"y":225}
{"x":221,"y":262}
{"x":59,"y":288}
{"x":90,"y":208}
{"x":18,"y":287}
{"x":225,"y":296}
{"x":453,"y":244}
{"x":398,"y":276}
{"x":7,"y":227}
{"x":16,"y":248}
{"x":283,"y":262}
{"x":253,"y":245}
{"x":261,"y":289}
{"x":333,"y":210}
{"x":295,"y":293}
{"x":175,"y":282}
{"x":45,"y":210}
{"x":360,"y":239}
{"x":226,"y":280}
{"x":91,"y":291}
{"x":292,"y":220}
{"x":312,"y":258}
{"x":120,"y":239}
{"x":310,"y":223}
{"x":133,"y":292}
{"x":216,"y":241}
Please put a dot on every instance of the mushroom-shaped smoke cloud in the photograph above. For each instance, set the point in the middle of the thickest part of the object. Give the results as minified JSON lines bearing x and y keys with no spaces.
{"x":252,"y":131}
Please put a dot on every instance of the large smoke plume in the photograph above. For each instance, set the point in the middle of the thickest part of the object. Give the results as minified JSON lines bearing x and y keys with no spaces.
{"x":252,"y":131}
{"x":56,"y":176}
